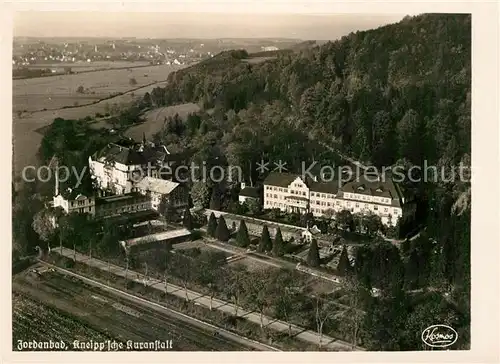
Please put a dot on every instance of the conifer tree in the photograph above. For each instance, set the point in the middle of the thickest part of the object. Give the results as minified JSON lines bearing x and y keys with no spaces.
{"x":222,"y":232}
{"x":242,"y":237}
{"x":212,"y":225}
{"x":344,"y":266}
{"x":265,"y":244}
{"x":313,"y":256}
{"x":187,"y":219}
{"x":278,"y":245}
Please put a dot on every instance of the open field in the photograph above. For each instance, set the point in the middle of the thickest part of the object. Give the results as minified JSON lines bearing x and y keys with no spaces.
{"x":51,"y":324}
{"x":154,"y":119}
{"x":89,"y":66}
{"x":61,"y":91}
{"x":253,"y":265}
{"x":73,"y":310}
{"x":27,"y":141}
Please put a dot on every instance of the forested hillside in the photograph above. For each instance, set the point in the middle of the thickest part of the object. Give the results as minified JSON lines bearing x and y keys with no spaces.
{"x":396,"y":94}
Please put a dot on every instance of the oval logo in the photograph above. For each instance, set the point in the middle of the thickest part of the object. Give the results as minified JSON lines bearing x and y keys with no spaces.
{"x":439,"y":336}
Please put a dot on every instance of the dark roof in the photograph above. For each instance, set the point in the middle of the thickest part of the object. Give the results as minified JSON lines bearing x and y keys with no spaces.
{"x":249,"y":192}
{"x":122,"y":199}
{"x":383,"y":188}
{"x":137,"y":155}
{"x":117,"y":153}
{"x":73,"y":194}
{"x":324,"y":187}
{"x":284,"y":180}
{"x":280,"y":179}
{"x":365,"y":185}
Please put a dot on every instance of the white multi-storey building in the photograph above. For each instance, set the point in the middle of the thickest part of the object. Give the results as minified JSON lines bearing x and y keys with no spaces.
{"x":117,"y":167}
{"x":130,"y":174}
{"x":157,"y":189}
{"x":292,"y":193}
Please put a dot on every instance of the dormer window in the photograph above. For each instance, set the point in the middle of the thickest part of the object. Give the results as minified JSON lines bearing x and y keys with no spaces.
{"x":361,"y":188}
{"x":379,"y":189}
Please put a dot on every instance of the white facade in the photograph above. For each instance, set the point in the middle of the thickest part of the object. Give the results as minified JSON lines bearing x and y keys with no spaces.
{"x":81,"y":204}
{"x":159,"y":189}
{"x":115,"y":176}
{"x":298,"y":197}
{"x":120,"y":174}
{"x":243,"y":199}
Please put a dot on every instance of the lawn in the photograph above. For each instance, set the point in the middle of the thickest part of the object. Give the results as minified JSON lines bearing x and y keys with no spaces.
{"x":154,"y":119}
{"x":90,"y":66}
{"x":55,"y":92}
{"x":27,"y":140}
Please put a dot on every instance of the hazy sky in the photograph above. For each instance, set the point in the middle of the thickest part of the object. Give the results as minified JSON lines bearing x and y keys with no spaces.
{"x":193,"y":25}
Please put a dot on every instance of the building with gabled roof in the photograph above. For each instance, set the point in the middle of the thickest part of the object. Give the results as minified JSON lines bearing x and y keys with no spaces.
{"x":157,"y":189}
{"x":248,"y":193}
{"x":366,"y":194}
{"x":117,"y":166}
{"x":127,"y":174}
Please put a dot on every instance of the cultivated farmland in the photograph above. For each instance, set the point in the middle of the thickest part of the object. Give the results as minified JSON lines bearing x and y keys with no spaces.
{"x":65,"y":308}
{"x":51,"y":324}
{"x":77,"y":67}
{"x":37,"y":94}
{"x":26,"y":140}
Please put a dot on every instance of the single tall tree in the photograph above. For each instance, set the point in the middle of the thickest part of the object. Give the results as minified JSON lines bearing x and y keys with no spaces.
{"x":222,"y":232}
{"x":242,"y":237}
{"x":265,"y":244}
{"x":313,"y":256}
{"x":278,"y":245}
{"x":344,"y":266}
{"x":187,"y":219}
{"x":212,"y":225}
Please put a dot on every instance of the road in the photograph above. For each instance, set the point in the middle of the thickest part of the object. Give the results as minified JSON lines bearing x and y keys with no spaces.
{"x":356,"y":163}
{"x":224,"y":306}
{"x":125,"y":317}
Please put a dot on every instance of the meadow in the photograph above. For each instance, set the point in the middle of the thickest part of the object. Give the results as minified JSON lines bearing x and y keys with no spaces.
{"x":32,"y":93}
{"x":90,"y":66}
{"x":56,"y":92}
{"x":155,"y":119}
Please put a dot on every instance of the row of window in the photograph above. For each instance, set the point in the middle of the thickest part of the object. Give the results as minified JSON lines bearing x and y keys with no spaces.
{"x":367,"y":198}
{"x":111,"y":211}
{"x":270,"y":195}
{"x":324,"y":203}
{"x":276,"y":204}
{"x":80,"y":203}
{"x":273,"y":188}
{"x":300,"y":193}
{"x":83,"y":209}
{"x":322,"y":195}
{"x":338,"y":203}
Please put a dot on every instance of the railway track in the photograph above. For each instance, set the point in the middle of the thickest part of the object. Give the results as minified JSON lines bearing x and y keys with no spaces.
{"x":120,"y":317}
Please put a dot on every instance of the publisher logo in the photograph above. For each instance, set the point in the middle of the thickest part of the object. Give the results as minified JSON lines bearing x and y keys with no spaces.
{"x":439,"y":336}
